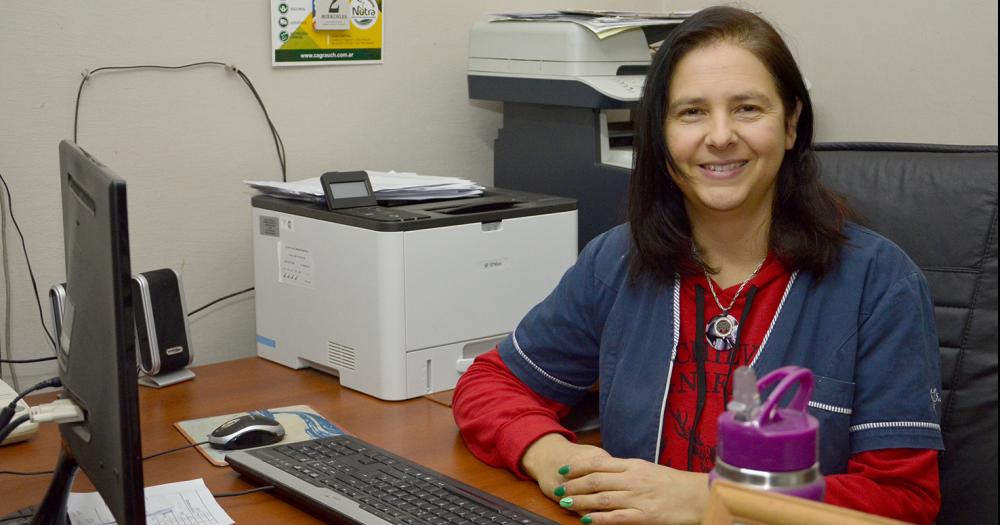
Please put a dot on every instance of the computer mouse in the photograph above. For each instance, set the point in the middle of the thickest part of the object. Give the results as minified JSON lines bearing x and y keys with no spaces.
{"x":250,"y":430}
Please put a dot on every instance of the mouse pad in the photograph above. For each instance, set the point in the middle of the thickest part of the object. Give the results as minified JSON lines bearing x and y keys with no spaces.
{"x":301,"y":422}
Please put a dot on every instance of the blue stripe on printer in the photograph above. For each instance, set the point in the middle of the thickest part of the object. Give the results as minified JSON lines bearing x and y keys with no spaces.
{"x":266,"y":342}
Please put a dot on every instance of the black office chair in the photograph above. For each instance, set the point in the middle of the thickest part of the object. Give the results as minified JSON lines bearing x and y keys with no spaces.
{"x":939,"y":203}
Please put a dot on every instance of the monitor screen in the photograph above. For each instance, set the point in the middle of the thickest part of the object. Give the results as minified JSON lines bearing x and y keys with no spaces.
{"x":96,"y":346}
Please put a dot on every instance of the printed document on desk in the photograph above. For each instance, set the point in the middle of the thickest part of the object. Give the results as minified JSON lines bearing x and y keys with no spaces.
{"x":180,"y":503}
{"x":388,"y":186}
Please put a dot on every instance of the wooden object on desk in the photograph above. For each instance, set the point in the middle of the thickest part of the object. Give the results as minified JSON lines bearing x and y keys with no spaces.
{"x":444,"y":397}
{"x":418,"y":429}
{"x":729,"y":504}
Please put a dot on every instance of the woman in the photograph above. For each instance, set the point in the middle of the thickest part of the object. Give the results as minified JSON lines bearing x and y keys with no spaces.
{"x":734,"y":254}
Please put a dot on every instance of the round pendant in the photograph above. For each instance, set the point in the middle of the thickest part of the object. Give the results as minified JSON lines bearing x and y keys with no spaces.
{"x":720,"y":332}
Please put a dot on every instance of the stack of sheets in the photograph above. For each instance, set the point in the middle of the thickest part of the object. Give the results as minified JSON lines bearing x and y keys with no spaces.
{"x":388,"y":186}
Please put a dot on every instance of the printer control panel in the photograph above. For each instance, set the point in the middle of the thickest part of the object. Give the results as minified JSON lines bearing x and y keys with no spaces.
{"x":627,"y":88}
{"x":378,"y":213}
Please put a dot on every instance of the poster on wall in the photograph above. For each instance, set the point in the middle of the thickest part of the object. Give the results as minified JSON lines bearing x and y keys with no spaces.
{"x":313,"y":32}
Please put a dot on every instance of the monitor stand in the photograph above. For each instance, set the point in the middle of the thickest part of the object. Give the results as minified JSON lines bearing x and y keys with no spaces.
{"x":53,"y":507}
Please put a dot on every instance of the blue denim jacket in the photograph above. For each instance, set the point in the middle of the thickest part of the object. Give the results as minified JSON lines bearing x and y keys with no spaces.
{"x":866,"y":330}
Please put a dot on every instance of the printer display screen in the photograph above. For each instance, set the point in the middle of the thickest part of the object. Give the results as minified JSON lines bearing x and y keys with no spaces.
{"x":348,"y":190}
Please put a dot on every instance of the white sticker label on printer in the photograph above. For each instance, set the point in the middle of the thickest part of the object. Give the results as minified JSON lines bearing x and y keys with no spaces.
{"x":269,"y":226}
{"x":296,"y":266}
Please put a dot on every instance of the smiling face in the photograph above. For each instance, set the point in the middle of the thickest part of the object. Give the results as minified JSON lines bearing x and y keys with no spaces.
{"x":727,"y":131}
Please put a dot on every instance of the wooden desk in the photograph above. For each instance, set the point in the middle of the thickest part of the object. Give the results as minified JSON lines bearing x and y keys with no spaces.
{"x":418,"y":429}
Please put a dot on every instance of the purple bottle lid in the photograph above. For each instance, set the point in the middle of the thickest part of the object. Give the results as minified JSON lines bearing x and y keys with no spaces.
{"x":773,"y":438}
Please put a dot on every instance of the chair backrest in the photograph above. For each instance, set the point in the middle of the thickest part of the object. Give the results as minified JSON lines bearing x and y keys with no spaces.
{"x":939,"y":204}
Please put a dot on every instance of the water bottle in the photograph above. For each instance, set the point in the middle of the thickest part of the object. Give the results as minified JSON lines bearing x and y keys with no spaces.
{"x":767,"y":446}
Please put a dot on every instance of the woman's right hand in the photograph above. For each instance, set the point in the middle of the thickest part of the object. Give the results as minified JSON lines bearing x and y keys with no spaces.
{"x":543,"y":459}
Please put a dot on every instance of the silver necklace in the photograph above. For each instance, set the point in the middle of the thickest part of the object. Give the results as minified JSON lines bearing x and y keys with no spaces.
{"x":720,"y":332}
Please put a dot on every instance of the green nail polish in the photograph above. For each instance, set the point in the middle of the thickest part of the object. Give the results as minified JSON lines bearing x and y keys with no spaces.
{"x":563,"y":470}
{"x":586,"y":520}
{"x":560,"y":491}
{"x":566,"y":502}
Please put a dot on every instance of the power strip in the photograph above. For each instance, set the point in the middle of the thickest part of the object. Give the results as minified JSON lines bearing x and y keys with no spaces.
{"x":24,"y":430}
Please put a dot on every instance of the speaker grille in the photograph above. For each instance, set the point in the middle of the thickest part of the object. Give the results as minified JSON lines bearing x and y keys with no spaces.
{"x":340,"y":356}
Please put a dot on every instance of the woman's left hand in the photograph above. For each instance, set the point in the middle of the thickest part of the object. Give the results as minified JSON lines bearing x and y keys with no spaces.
{"x":613,"y":490}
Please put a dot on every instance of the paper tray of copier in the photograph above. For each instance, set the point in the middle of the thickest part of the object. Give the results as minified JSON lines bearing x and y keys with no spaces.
{"x":397,"y":301}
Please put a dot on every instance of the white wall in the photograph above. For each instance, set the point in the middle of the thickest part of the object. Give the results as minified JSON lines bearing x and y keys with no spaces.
{"x":917,"y":71}
{"x":185,"y":140}
{"x":893,"y":70}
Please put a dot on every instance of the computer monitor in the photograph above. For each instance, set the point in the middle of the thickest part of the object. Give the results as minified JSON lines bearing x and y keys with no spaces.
{"x":96,"y":347}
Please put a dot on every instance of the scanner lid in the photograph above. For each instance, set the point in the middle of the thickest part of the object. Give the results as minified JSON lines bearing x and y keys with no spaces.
{"x":559,"y":63}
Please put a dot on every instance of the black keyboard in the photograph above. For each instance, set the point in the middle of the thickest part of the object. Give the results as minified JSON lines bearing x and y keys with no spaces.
{"x":345,"y":479}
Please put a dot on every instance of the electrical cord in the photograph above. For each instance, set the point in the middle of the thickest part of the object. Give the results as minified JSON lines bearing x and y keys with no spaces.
{"x":6,"y":431}
{"x":27,"y":260}
{"x":8,"y":317}
{"x":182,"y":447}
{"x":279,"y":148}
{"x":8,"y":411}
{"x":219,"y":300}
{"x":151,"y":456}
{"x":144,"y":458}
{"x":243,"y":492}
{"x":25,"y":473}
{"x":191,"y":313}
{"x":279,"y":145}
{"x":24,"y":361}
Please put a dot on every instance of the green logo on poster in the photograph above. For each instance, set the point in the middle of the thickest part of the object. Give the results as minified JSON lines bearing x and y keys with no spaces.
{"x":364,"y":13}
{"x":283,"y":35}
{"x":282,"y":8}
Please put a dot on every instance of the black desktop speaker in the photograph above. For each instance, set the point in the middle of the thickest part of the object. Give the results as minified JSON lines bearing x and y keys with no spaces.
{"x":162,"y":337}
{"x":161,"y":322}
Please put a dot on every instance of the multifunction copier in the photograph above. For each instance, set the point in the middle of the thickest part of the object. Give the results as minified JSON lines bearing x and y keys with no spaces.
{"x":397,"y":301}
{"x":567,"y":99}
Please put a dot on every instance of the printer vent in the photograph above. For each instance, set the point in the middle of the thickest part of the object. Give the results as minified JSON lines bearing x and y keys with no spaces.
{"x":340,"y":356}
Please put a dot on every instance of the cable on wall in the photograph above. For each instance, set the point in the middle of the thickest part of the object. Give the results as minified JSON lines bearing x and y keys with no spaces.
{"x":26,"y":361}
{"x":8,"y":317}
{"x":219,"y":300}
{"x":27,"y":260}
{"x":6,"y":347}
{"x":278,"y":144}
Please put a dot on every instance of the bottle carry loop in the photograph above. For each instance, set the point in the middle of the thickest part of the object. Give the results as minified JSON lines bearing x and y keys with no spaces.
{"x":786,"y":377}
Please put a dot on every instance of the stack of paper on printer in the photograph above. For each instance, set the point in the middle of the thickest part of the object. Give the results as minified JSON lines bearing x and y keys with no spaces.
{"x":388,"y":186}
{"x":601,"y":23}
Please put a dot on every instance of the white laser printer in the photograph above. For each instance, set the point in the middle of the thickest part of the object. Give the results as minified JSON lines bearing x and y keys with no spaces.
{"x":397,"y":301}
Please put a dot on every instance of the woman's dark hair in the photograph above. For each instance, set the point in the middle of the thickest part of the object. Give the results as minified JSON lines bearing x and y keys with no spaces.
{"x":806,"y":218}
